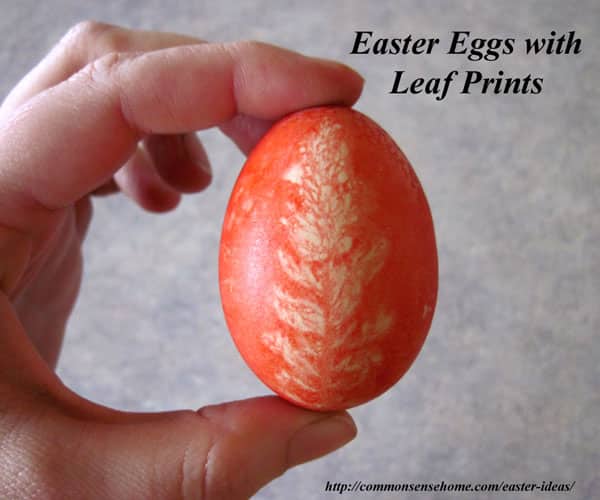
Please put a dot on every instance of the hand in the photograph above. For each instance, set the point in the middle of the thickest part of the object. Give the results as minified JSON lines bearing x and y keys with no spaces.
{"x":113,"y":110}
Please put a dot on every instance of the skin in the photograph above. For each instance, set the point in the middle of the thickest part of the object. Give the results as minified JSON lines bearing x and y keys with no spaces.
{"x":112,"y":110}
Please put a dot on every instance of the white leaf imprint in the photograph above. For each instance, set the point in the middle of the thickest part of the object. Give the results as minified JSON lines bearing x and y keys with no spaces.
{"x":327,"y":270}
{"x":299,"y":313}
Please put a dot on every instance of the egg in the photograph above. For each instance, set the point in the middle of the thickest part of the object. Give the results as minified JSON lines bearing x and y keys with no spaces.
{"x":328,"y":263}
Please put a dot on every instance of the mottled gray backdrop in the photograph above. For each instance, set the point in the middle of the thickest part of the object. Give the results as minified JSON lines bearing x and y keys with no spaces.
{"x":507,"y":385}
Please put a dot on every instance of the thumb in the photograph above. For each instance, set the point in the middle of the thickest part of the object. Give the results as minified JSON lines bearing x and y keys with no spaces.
{"x":227,"y":451}
{"x":223,"y":451}
{"x":56,"y":444}
{"x":257,"y":440}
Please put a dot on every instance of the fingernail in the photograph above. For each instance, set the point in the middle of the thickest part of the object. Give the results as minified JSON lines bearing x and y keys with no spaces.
{"x":203,"y":163}
{"x":197,"y":154}
{"x":320,"y":437}
{"x":340,"y":65}
{"x":358,"y":76}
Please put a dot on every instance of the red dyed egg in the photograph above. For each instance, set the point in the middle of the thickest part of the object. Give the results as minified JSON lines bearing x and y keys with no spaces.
{"x":328,"y":263}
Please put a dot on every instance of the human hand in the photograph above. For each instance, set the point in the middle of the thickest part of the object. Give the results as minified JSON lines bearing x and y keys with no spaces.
{"x":113,"y":110}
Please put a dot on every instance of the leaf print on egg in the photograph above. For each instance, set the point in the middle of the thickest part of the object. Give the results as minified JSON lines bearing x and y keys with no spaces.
{"x":327,"y":262}
{"x":324,"y":329}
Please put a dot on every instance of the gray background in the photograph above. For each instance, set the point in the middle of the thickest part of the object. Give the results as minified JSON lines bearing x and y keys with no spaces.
{"x":507,"y":385}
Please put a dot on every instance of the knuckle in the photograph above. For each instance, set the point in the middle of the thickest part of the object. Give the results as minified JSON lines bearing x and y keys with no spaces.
{"x":194,"y":463}
{"x":192,"y":473}
{"x":188,"y":471}
{"x":102,"y":69}
{"x":93,"y":39}
{"x":247,"y":46}
{"x":85,"y":32}
{"x":253,"y":45}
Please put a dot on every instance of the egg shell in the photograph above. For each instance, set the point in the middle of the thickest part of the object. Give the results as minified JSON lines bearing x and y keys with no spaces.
{"x":328,"y":264}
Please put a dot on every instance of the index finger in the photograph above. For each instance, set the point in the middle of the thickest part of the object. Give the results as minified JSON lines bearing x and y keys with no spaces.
{"x":71,"y":139}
